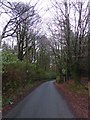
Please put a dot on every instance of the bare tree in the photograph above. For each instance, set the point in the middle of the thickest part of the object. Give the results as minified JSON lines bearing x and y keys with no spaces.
{"x":22,"y":22}
{"x":71,"y":36}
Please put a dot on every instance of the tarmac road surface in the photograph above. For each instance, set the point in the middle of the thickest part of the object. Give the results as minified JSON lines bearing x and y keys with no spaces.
{"x":44,"y":102}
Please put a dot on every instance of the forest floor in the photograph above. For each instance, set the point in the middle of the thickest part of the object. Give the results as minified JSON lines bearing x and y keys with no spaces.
{"x":76,"y":96}
{"x":14,"y":98}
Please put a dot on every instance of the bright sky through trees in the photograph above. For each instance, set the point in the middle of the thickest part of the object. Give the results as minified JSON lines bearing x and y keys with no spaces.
{"x":44,"y":7}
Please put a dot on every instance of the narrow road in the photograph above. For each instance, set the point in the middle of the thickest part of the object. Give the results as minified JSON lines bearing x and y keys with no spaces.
{"x":44,"y":102}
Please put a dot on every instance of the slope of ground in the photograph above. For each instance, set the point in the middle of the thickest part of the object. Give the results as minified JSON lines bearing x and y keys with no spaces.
{"x":77,"y":99}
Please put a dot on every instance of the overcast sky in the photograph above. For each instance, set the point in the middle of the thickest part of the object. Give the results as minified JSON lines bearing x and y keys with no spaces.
{"x":43,"y":6}
{"x":45,"y":11}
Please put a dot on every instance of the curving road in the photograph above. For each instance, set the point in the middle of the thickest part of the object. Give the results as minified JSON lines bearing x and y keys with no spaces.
{"x":44,"y":102}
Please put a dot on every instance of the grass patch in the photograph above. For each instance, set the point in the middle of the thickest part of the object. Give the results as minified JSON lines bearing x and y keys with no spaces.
{"x":78,"y":88}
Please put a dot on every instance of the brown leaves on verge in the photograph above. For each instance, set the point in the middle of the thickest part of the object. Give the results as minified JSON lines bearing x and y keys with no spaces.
{"x":77,"y":102}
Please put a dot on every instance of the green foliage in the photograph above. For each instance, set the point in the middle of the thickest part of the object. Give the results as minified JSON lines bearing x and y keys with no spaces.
{"x":8,"y":101}
{"x":8,"y":57}
{"x":18,"y":74}
{"x":50,"y":75}
{"x":40,"y":74}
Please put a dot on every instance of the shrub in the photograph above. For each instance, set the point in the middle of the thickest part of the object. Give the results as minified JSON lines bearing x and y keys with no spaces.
{"x":8,"y":57}
{"x":17,"y":74}
{"x":50,"y":75}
